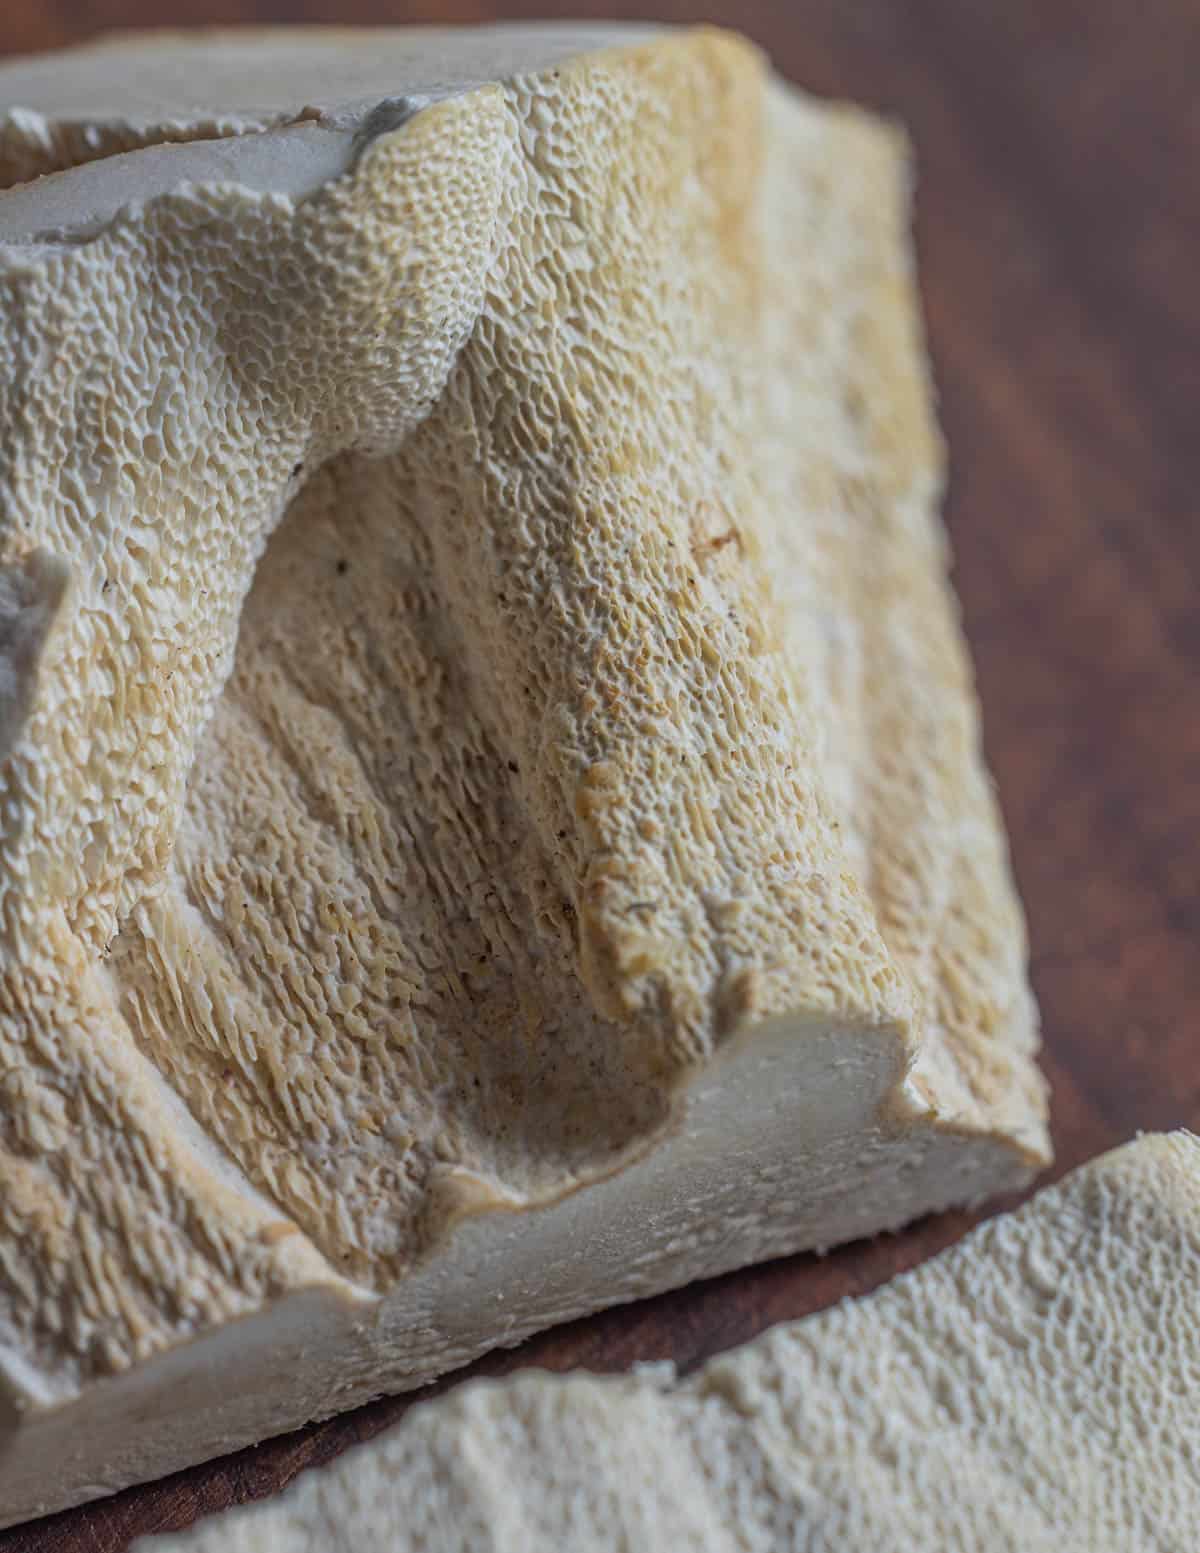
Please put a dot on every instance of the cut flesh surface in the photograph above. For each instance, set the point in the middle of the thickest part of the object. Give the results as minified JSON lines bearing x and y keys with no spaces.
{"x":1037,"y":1387}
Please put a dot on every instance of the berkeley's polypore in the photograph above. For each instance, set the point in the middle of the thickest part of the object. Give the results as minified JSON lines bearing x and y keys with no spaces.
{"x":492,"y":815}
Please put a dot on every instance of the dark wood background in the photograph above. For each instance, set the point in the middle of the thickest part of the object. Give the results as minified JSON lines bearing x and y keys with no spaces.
{"x":1059,"y":232}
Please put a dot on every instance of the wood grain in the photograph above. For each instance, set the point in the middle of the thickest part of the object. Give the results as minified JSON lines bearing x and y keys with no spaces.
{"x":1060,"y":244}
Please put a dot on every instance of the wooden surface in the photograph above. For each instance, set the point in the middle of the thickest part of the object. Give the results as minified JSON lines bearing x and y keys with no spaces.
{"x":1059,"y":231}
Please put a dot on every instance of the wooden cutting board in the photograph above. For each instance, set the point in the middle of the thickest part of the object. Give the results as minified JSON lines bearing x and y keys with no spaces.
{"x":1059,"y":234}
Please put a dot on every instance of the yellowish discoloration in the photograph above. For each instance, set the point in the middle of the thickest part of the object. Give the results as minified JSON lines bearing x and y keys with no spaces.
{"x":479,"y":649}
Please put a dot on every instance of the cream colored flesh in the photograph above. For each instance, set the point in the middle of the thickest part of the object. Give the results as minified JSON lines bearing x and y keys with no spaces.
{"x":707,"y":1200}
{"x":1035,"y":1388}
{"x":492,"y":820}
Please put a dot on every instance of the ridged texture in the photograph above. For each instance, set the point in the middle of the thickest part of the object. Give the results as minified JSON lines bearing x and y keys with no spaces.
{"x":476,"y":641}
